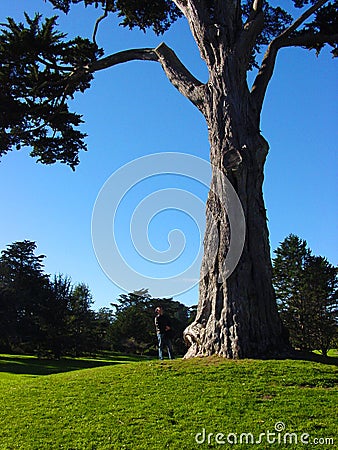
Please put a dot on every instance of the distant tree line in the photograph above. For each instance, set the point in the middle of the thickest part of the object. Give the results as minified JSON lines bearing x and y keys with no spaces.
{"x":50,"y":316}
{"x":306,"y":291}
{"x":42,"y":314}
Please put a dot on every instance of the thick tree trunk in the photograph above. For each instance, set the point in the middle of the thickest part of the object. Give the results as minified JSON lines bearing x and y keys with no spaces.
{"x":237,"y":317}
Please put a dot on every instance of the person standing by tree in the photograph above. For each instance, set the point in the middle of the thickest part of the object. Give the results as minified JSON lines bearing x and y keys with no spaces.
{"x":164,"y":331}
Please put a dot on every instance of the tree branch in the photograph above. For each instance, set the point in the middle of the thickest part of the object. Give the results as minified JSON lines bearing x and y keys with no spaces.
{"x":264,"y":75}
{"x":180,"y":76}
{"x":54,"y":65}
{"x":257,"y":7}
{"x":269,"y":60}
{"x":176,"y":72}
{"x":200,"y":24}
{"x":310,"y":39}
{"x":97,"y":23}
{"x":252,"y":27}
{"x":141,"y":54}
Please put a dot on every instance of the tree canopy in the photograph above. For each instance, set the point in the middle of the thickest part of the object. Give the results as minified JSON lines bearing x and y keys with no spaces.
{"x":40,"y":70}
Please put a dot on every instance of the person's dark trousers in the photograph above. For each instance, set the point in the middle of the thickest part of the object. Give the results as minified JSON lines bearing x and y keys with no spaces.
{"x":163,"y":342}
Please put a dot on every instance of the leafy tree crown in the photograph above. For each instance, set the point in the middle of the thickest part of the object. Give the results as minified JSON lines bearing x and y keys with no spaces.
{"x":40,"y":70}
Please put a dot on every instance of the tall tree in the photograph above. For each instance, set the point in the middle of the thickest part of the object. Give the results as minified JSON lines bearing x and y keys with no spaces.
{"x":104,"y":319}
{"x":55,"y":317}
{"x":322,"y":283}
{"x":41,"y":71}
{"x":306,"y":290}
{"x":23,"y":287}
{"x":82,"y":319}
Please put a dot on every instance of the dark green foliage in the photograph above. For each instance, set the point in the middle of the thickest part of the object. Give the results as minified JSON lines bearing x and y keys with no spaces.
{"x":50,"y":316}
{"x":157,"y":15}
{"x":54,"y":318}
{"x":81,"y":319}
{"x":306,"y":290}
{"x":325,"y":22}
{"x":18,"y":260}
{"x":322,"y":283}
{"x":133,"y":328}
{"x":68,"y":324}
{"x":23,"y":287}
{"x":103,"y":329}
{"x":39,"y":72}
{"x":43,"y":315}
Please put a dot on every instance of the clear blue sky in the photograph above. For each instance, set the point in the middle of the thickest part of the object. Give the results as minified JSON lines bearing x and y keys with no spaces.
{"x":132,"y":111}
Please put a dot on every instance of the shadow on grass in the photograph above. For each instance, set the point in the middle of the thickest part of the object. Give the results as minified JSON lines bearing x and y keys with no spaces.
{"x":315,"y":357}
{"x":31,"y":365}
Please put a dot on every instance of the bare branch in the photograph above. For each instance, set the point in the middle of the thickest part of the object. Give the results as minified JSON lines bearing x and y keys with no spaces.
{"x":97,"y":23}
{"x":310,"y":39}
{"x":140,"y":54}
{"x":264,"y":75}
{"x":54,"y":65}
{"x":180,"y":76}
{"x":269,"y":60}
{"x":176,"y":72}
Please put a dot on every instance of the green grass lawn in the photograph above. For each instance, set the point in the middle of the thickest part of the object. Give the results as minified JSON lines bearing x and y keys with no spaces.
{"x":115,"y":402}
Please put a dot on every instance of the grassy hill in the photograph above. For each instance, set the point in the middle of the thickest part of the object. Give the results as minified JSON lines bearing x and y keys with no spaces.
{"x":118,"y":403}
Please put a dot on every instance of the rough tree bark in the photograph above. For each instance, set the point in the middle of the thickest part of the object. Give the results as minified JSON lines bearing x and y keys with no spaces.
{"x":236,"y":317}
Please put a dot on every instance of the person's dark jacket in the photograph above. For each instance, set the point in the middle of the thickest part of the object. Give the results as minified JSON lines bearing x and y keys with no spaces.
{"x":161,"y":324}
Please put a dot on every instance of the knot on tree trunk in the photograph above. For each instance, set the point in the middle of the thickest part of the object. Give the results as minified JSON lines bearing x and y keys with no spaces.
{"x":231,"y":159}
